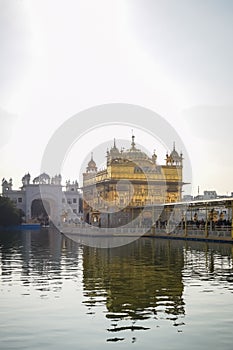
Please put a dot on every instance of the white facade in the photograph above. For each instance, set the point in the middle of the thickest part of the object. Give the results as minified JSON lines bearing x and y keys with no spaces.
{"x":72,"y":201}
{"x":210,"y":194}
{"x":59,"y":204}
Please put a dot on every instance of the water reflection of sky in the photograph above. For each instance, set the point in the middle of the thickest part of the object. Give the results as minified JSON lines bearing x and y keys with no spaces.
{"x":153,"y":287}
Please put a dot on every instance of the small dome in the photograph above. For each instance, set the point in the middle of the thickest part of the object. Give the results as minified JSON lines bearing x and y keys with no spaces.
{"x":26,"y":176}
{"x":175,"y":154}
{"x":91,"y":166}
{"x":42,"y":179}
{"x":45,"y":176}
{"x":4,"y":181}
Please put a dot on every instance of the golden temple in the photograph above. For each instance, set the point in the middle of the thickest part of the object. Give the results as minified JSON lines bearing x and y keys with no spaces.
{"x":131,"y":180}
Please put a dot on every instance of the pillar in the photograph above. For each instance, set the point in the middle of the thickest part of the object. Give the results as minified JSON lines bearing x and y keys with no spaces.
{"x":206,"y":222}
{"x":232,"y":219}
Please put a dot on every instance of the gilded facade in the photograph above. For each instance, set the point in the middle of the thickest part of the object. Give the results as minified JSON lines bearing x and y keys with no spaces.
{"x":131,"y":180}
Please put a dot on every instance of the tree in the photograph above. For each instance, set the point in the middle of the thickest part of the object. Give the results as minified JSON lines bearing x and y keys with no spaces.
{"x":9,"y":214}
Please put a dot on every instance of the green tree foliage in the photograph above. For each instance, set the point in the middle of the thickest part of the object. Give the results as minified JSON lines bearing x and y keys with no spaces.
{"x":9,"y":214}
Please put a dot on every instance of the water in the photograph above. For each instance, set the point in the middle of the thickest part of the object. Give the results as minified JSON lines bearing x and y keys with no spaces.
{"x":152,"y":293}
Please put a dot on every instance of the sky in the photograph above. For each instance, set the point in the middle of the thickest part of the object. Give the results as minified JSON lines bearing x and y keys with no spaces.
{"x":173,"y":57}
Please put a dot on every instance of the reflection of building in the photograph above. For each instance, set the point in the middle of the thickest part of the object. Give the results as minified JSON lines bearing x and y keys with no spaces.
{"x":137,"y":281}
{"x":56,"y":203}
{"x":50,"y":266}
{"x":130,"y":181}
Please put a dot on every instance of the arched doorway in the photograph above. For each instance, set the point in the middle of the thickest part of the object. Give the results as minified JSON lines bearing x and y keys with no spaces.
{"x":40,"y":211}
{"x":88,"y":218}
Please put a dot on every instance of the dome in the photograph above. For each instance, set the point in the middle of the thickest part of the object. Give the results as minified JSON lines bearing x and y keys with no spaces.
{"x":175,"y":154}
{"x":45,"y":176}
{"x":134,"y":153}
{"x":26,"y":176}
{"x":26,"y":179}
{"x":42,"y":179}
{"x":91,"y":166}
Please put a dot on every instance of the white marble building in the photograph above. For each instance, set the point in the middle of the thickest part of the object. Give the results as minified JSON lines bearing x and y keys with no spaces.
{"x":59,"y":202}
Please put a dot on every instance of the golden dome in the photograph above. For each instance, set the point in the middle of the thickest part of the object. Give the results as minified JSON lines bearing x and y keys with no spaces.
{"x":134,"y":153}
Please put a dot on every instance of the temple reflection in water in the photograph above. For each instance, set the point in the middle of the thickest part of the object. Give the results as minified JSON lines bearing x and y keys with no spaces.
{"x":138,"y":280}
{"x":132,"y":287}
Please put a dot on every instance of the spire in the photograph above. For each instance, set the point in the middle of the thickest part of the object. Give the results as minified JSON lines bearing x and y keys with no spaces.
{"x":154,"y":157}
{"x":133,"y":143}
{"x":114,"y":151}
{"x":174,"y":146}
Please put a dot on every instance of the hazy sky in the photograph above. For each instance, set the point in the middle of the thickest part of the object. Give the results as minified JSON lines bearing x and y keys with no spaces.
{"x":174,"y":57}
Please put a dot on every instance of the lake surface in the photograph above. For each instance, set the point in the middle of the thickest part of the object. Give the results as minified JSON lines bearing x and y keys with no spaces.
{"x":151,"y":294}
